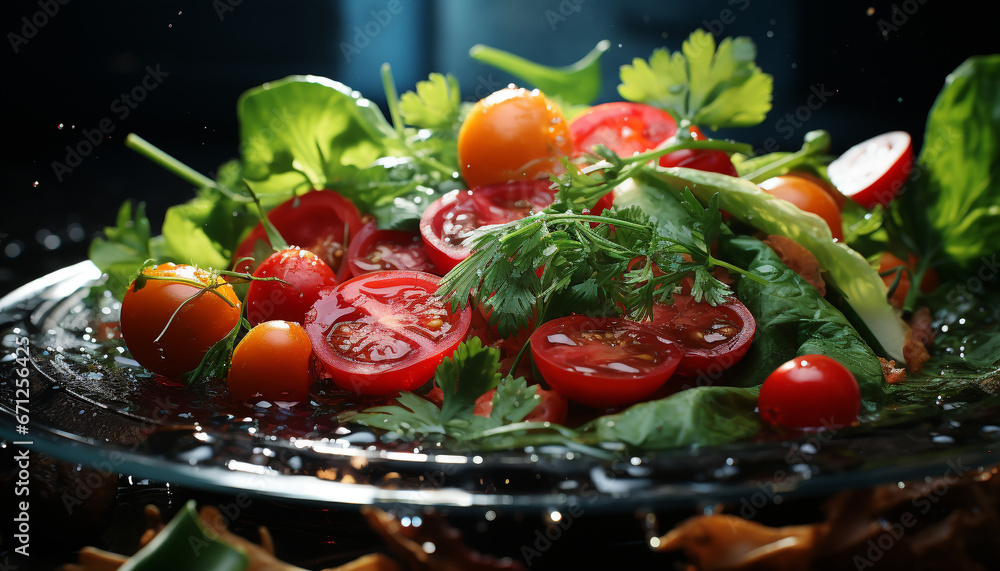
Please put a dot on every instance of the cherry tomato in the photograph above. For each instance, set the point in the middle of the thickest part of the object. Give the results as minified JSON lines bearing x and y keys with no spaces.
{"x":320,"y":221}
{"x":449,"y":220}
{"x":602,"y":362}
{"x":630,"y":128}
{"x":809,"y":197}
{"x":810,"y":391}
{"x":272,"y":362}
{"x":374,"y":250}
{"x":711,"y":338}
{"x":384,"y":331}
{"x":872,"y":172}
{"x":837,"y":196}
{"x":302,"y":274}
{"x":512,"y":135}
{"x":551,"y":406}
{"x":176,"y":314}
{"x":888,"y":262}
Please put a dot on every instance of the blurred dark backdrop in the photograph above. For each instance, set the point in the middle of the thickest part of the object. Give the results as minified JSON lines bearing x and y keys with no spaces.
{"x":66,"y":65}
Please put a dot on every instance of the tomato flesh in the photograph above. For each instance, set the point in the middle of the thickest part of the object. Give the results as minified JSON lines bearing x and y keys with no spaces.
{"x":374,"y":250}
{"x":602,"y":362}
{"x":168,"y":324}
{"x":321,"y":221}
{"x":810,"y":391}
{"x":449,"y":220}
{"x":873,"y":172}
{"x":384,"y":331}
{"x":302,"y":275}
{"x":711,"y":338}
{"x":271,"y":362}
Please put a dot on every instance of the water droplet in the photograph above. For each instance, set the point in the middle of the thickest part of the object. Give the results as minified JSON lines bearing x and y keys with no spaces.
{"x":35,"y":184}
{"x":60,"y":126}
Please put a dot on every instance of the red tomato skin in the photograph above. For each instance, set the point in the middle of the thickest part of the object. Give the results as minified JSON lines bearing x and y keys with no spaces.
{"x":272,"y":362}
{"x":319,"y":221}
{"x":809,"y":197}
{"x":677,"y":321}
{"x":552,"y":406}
{"x":398,"y":250}
{"x":304,"y":274}
{"x":201,"y":322}
{"x":384,"y":309}
{"x":810,"y":392}
{"x":630,"y":128}
{"x":449,"y":219}
{"x":597,"y":374}
{"x":883,"y":188}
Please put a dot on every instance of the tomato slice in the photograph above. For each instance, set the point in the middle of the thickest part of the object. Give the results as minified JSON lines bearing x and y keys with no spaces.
{"x":872,"y":172}
{"x":384,"y":331}
{"x":321,"y":221}
{"x":630,"y":128}
{"x":602,"y":362}
{"x":712,"y":338}
{"x":449,"y":220}
{"x":374,"y":250}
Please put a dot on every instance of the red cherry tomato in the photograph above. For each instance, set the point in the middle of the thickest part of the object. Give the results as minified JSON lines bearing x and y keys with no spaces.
{"x":551,"y":406}
{"x":384,"y":331}
{"x":872,"y":172}
{"x":320,"y":221}
{"x":512,"y":135}
{"x":630,"y":128}
{"x":172,"y":318}
{"x":302,"y":276}
{"x":811,"y":391}
{"x":374,"y":250}
{"x":271,"y":362}
{"x":809,"y":197}
{"x":711,"y":338}
{"x":602,"y":362}
{"x":449,"y":220}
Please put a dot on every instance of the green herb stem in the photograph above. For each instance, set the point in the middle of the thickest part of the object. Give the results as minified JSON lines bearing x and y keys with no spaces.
{"x":160,"y":157}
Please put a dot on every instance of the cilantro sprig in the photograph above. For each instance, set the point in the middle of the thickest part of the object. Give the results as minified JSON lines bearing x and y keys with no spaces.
{"x":703,"y":84}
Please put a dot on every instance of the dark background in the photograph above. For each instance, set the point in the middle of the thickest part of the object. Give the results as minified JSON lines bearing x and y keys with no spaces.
{"x":68,"y":64}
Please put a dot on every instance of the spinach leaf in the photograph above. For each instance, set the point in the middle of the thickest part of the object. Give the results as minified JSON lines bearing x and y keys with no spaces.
{"x":702,"y":416}
{"x":953,"y":202}
{"x":794,"y":319}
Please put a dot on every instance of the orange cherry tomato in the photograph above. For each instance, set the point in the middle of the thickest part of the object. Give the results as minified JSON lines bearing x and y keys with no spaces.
{"x":272,"y":362}
{"x":511,"y":135}
{"x":808,"y":196}
{"x":889,"y":262}
{"x":173,"y":315}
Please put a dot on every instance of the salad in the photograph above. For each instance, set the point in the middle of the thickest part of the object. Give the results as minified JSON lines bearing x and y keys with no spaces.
{"x":535,"y":268}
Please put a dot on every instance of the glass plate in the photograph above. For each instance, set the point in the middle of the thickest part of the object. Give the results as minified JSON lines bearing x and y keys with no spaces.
{"x":89,"y":403}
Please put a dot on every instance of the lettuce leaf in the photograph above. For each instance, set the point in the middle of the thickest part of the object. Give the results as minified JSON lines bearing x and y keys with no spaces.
{"x":846,"y":269}
{"x":953,"y":202}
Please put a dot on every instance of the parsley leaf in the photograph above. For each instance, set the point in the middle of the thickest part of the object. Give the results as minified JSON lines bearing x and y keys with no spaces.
{"x":435,"y":104}
{"x":124,"y":248}
{"x":704,"y":84}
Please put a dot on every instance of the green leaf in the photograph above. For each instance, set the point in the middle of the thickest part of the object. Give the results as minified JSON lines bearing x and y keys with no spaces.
{"x":124,"y":248}
{"x":185,"y":543}
{"x":436,"y":104}
{"x":465,"y":376}
{"x":513,"y":401}
{"x":307,"y":128}
{"x":954,"y":202}
{"x":703,"y":84}
{"x":794,"y":319}
{"x":579,"y":83}
{"x":702,"y":416}
{"x":185,"y":233}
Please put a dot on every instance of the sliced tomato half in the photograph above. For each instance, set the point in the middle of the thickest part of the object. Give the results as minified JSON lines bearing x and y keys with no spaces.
{"x":602,"y":362}
{"x":374,"y":250}
{"x":321,"y":221}
{"x":384,"y":331}
{"x":712,"y":338}
{"x":873,"y":172}
{"x":449,"y":220}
